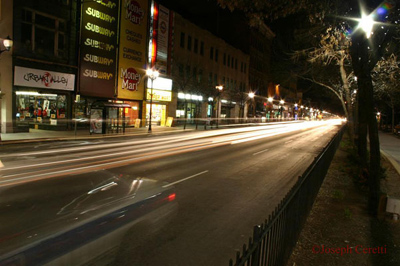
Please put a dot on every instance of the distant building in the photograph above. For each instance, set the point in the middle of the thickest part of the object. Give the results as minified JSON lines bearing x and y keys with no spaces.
{"x":200,"y":62}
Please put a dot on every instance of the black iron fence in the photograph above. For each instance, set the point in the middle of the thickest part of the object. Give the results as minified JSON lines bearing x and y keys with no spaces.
{"x":273,"y":241}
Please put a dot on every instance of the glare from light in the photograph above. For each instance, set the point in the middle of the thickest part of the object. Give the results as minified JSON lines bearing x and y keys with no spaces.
{"x":251,"y":95}
{"x":270,"y":99}
{"x":366,"y":23}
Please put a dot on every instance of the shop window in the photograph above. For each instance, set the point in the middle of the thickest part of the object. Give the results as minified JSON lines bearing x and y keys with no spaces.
{"x":43,"y":34}
{"x":40,"y":108}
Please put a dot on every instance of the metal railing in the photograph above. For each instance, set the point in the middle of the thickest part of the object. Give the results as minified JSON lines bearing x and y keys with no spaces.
{"x":273,"y":241}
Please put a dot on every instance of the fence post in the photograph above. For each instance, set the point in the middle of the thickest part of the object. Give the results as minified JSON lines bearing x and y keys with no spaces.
{"x":255,"y":257}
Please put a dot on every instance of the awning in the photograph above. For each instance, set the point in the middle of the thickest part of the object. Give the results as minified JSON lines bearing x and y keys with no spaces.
{"x":110,"y":105}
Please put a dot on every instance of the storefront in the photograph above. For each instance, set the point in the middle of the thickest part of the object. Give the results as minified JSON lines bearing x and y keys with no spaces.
{"x":108,"y":117}
{"x":160,"y":96}
{"x":188,"y":107}
{"x":42,"y":99}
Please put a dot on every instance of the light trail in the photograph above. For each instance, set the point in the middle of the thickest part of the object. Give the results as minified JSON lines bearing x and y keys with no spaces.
{"x":171,"y":146}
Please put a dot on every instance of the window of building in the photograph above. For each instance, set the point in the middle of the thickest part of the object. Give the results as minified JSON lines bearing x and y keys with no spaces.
{"x":211,"y":53}
{"x":229,"y":60}
{"x":232,"y":62}
{"x":189,"y":43}
{"x":43,"y":34}
{"x":201,"y":48}
{"x":200,"y":76}
{"x":187,"y":71}
{"x":236,"y":64}
{"x":196,"y":46}
{"x":241,"y":67}
{"x":181,"y":74}
{"x":244,"y":68}
{"x":216,"y":55}
{"x":194,"y":76}
{"x":182,"y":40}
{"x":224,"y":60}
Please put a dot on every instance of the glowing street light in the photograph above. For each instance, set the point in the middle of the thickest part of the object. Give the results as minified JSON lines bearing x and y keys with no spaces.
{"x":366,"y":23}
{"x":251,"y":95}
{"x":151,"y":74}
{"x":270,"y":99}
{"x":8,"y":43}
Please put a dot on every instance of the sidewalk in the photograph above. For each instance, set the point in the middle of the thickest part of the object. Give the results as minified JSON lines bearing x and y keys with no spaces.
{"x":36,"y":135}
{"x":390,"y":148}
{"x":339,"y":230}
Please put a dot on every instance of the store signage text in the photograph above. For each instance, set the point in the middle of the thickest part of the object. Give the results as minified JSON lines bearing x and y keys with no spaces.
{"x":106,"y":3}
{"x":165,"y":96}
{"x":43,"y":79}
{"x":100,"y":15}
{"x":99,"y":45}
{"x":47,"y":79}
{"x":89,"y":73}
{"x":132,"y":54}
{"x":100,"y":30}
{"x":134,"y":12}
{"x":130,"y":79}
{"x":98,"y":59}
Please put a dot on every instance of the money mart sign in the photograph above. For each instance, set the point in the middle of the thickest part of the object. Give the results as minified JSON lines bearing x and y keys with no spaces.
{"x":37,"y":78}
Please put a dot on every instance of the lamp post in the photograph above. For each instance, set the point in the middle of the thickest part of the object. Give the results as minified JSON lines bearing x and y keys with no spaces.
{"x":281,"y":102}
{"x":251,"y":96}
{"x":151,"y":74}
{"x":219,"y":89}
{"x":8,"y":43}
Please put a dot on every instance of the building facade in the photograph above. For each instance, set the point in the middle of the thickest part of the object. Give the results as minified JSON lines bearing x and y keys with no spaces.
{"x":200,"y":63}
{"x":43,"y":65}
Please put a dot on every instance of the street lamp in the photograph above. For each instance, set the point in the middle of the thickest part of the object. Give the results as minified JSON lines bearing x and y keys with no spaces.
{"x":219,"y":89}
{"x":151,"y":74}
{"x":281,"y":102}
{"x":8,"y":43}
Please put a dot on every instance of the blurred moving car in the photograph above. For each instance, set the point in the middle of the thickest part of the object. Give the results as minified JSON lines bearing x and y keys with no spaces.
{"x":80,"y":218}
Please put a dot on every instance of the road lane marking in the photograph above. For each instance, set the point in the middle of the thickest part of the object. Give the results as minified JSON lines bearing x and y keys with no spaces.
{"x":189,"y":177}
{"x":260,"y":151}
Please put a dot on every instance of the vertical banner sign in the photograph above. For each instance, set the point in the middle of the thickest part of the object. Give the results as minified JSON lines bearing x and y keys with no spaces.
{"x":132,"y":52}
{"x":98,"y":48}
{"x":162,"y":40}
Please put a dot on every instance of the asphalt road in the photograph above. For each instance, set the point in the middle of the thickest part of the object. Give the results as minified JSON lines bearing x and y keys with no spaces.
{"x":226,"y":181}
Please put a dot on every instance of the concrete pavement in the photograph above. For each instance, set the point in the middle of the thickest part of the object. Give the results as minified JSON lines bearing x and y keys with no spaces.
{"x":390,"y":148}
{"x":35,"y":135}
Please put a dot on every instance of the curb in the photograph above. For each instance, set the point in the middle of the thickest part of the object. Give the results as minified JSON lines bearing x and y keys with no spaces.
{"x":392,"y":161}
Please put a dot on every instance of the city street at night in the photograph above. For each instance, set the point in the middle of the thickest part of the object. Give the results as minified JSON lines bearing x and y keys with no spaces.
{"x":225,"y":182}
